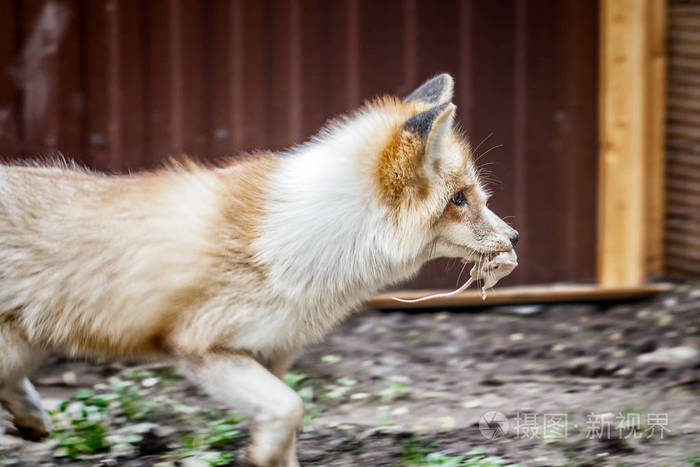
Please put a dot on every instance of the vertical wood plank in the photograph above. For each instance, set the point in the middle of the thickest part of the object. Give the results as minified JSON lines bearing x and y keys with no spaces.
{"x":277,"y":51}
{"x":523,"y":67}
{"x":66,"y":113}
{"x":491,"y":128}
{"x":464,"y":92}
{"x":237,"y":70}
{"x":353,"y":44}
{"x":256,"y":93}
{"x":626,"y":120}
{"x":97,"y":70}
{"x":114,"y":85}
{"x":162,"y":121}
{"x":682,"y":183}
{"x":554,"y":151}
{"x":10,"y":145}
{"x":190,"y":65}
{"x":381,"y":52}
{"x":579,"y":141}
{"x":218,"y":17}
{"x":132,"y":86}
{"x":656,"y":161}
{"x":44,"y":26}
{"x":317,"y":43}
{"x":295,"y":111}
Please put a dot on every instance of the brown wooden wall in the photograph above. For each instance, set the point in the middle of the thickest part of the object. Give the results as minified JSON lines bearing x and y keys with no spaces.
{"x":120,"y":85}
{"x":682,"y":239}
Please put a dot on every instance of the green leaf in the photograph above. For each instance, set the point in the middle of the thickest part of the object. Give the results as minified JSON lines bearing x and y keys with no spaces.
{"x":331,"y":358}
{"x":83,"y":393}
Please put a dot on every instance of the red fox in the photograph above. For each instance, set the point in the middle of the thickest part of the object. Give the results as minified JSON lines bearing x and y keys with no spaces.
{"x":229,"y":271}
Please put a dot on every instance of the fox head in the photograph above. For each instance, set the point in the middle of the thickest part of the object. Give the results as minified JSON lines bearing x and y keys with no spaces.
{"x":373,"y":196}
{"x":426,"y":177}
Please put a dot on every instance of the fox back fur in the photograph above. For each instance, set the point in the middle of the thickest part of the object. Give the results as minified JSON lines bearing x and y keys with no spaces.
{"x":246,"y":263}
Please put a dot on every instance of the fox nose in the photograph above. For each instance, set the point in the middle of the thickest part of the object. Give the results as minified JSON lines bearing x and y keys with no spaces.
{"x":514,"y":238}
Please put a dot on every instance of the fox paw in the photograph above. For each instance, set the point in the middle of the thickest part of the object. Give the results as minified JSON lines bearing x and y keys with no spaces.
{"x":30,"y":433}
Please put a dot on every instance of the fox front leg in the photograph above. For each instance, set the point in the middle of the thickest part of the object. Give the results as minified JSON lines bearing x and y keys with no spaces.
{"x":240,"y":382}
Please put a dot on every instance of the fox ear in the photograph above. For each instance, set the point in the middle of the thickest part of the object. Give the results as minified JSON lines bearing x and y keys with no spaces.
{"x":431,"y":127}
{"x":437,"y":90}
{"x":414,"y":152}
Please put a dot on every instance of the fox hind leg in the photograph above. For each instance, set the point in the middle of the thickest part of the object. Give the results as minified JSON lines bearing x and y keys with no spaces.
{"x":28,"y":417}
{"x":17,"y":394}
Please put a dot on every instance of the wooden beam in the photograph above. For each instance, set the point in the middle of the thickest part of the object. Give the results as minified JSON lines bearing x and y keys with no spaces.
{"x":630,"y":198}
{"x":520,"y":295}
{"x":656,"y":136}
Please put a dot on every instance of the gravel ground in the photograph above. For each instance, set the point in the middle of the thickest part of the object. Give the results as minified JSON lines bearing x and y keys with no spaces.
{"x":578,"y":384}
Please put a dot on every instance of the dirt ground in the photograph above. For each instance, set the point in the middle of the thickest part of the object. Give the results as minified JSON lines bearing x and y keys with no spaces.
{"x":576,"y":384}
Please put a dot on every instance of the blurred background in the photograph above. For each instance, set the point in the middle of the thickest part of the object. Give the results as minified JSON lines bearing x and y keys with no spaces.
{"x":585,"y":112}
{"x":121,"y":85}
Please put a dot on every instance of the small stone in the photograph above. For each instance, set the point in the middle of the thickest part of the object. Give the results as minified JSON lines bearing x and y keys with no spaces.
{"x":194,"y":462}
{"x":646,"y":346}
{"x":520,"y":310}
{"x":69,"y":378}
{"x":403,"y":410}
{"x":625,"y":371}
{"x":671,"y":302}
{"x":399,"y":379}
{"x":492,"y":381}
{"x":615,"y":336}
{"x":518,"y":336}
{"x":492,"y":400}
{"x":665,"y":320}
{"x":447,"y":423}
{"x":643,"y":314}
{"x":580,"y":366}
{"x":149,"y":382}
{"x":612,"y":367}
{"x":107,"y":463}
{"x":669,"y":355}
{"x":138,"y":428}
{"x":360,"y":396}
{"x":163,"y":431}
{"x":472,"y":404}
{"x":331,"y":358}
{"x":122,"y":450}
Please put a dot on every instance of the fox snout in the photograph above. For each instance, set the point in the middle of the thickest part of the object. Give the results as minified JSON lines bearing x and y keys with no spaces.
{"x":507,"y":238}
{"x":498,"y":236}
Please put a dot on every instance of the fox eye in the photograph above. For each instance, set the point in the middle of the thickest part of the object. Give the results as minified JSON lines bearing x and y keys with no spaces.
{"x":459,"y":199}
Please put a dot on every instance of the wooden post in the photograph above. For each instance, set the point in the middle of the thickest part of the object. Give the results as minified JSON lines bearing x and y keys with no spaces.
{"x":630,"y":219}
